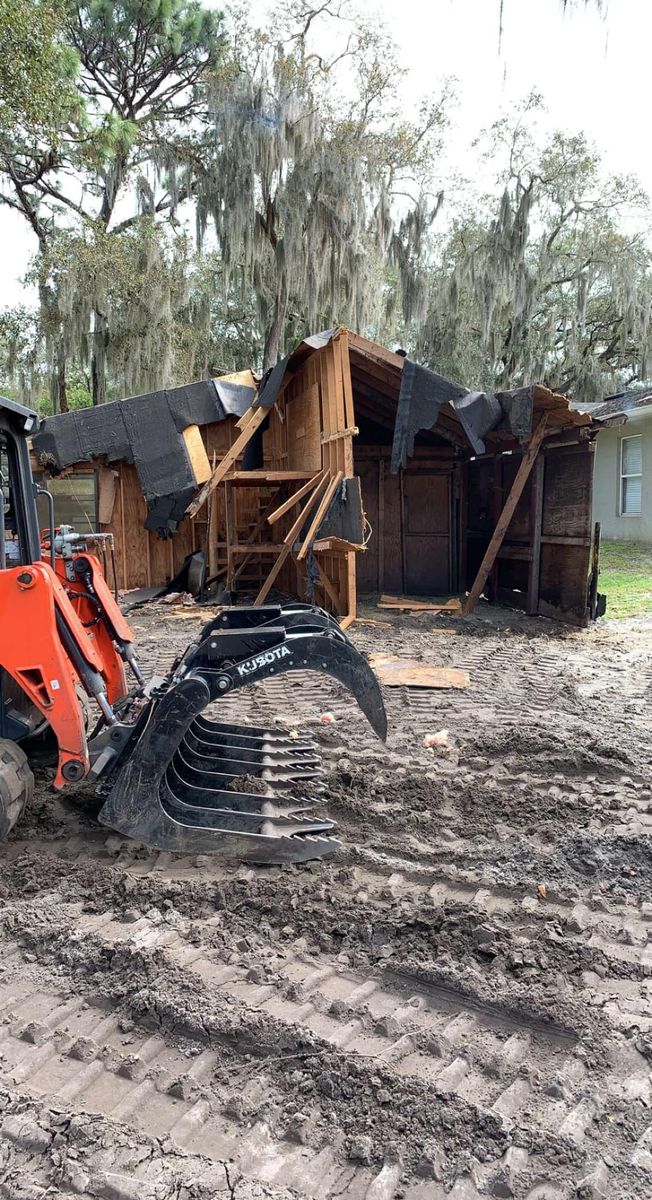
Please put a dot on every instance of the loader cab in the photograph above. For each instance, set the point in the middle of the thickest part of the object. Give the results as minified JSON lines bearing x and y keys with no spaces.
{"x":19,"y":532}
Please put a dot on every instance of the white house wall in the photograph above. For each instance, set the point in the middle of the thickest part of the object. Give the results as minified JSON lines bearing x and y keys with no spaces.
{"x":606,"y":481}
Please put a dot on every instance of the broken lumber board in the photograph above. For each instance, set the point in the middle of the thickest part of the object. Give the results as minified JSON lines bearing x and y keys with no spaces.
{"x":376,"y":624}
{"x":352,"y":431}
{"x":107,"y":487}
{"x":335,"y":545}
{"x":520,"y":480}
{"x":288,"y":542}
{"x":294,"y":499}
{"x":409,"y":672}
{"x":320,"y":514}
{"x":196,"y":451}
{"x":225,"y":463}
{"x":403,"y":603}
{"x":263,"y":476}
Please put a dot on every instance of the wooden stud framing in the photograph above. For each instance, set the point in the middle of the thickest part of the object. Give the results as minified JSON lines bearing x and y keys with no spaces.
{"x":227,"y":462}
{"x":290,"y":503}
{"x":125,"y":583}
{"x":343,"y":339}
{"x":252,"y":546}
{"x":288,"y":543}
{"x":536,"y":518}
{"x":320,"y":514}
{"x":228,"y":513}
{"x":527,"y":462}
{"x":326,"y":585}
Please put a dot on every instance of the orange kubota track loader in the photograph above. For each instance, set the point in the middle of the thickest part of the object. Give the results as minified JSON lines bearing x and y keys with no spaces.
{"x":166,"y":770}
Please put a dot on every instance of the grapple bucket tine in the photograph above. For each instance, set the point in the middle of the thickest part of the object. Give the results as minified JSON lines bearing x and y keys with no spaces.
{"x":143,"y":806}
{"x":258,"y":731}
{"x":265,"y":767}
{"x":175,"y":770}
{"x":273,"y":741}
{"x":214,"y":775}
{"x":249,"y":802}
{"x":257,"y":754}
{"x":226,"y":820}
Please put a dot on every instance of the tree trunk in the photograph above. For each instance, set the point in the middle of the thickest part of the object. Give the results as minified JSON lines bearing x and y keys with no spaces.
{"x":273,"y":334}
{"x":57,"y":357}
{"x":62,"y":393}
{"x":98,"y":357}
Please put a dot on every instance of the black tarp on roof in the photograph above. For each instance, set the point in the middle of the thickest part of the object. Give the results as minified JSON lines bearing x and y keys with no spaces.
{"x":146,"y":431}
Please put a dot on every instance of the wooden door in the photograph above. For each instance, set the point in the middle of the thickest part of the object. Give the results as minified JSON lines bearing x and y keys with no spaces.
{"x":426,"y":532}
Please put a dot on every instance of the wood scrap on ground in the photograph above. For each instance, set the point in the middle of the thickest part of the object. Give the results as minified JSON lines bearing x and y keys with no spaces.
{"x":409,"y":672}
{"x":405,"y":604}
{"x":370,"y":621}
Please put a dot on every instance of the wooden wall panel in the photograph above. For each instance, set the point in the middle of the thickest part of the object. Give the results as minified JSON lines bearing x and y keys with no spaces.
{"x":567,"y":498}
{"x":304,"y":430}
{"x":566,"y":533}
{"x":518,"y":529}
{"x":136,"y":539}
{"x":563,"y":588}
{"x":426,"y":531}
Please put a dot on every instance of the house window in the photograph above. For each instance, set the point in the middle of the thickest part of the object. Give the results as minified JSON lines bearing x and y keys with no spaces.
{"x":631,"y":475}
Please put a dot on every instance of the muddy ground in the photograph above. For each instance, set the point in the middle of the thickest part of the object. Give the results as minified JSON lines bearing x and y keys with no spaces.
{"x":458,"y":1004}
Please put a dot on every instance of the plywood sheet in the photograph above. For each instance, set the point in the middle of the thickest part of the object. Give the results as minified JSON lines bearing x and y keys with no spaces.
{"x":405,"y":604}
{"x":304,"y":430}
{"x":196,"y":451}
{"x":107,"y":487}
{"x":409,"y":672}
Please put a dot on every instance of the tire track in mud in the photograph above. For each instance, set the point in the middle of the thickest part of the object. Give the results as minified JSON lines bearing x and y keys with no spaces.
{"x":459,"y":1006}
{"x":417,"y":1050}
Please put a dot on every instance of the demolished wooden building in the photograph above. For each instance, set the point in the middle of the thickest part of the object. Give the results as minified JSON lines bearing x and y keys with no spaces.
{"x":347,"y":469}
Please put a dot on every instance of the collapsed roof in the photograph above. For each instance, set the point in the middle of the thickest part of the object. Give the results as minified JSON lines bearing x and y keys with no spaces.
{"x":391,"y":392}
{"x":146,"y":431}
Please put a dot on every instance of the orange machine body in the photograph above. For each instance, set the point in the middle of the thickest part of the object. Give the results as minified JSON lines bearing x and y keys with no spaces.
{"x":95,"y":627}
{"x":35,"y":657}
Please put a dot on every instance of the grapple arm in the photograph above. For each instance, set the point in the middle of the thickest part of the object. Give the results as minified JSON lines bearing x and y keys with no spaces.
{"x":274,"y":651}
{"x":176,"y":786}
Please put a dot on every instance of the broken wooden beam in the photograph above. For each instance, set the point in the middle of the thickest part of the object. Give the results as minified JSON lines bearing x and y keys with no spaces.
{"x":294,"y":499}
{"x":509,"y":508}
{"x":404,"y":604}
{"x":320,"y":514}
{"x":288,"y":542}
{"x":225,"y":463}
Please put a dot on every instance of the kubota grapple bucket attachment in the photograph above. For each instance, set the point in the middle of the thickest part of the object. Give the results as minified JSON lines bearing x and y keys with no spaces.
{"x":195,"y":785}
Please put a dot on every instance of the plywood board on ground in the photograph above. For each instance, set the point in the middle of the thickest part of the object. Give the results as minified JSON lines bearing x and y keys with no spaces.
{"x":409,"y":672}
{"x":405,"y":604}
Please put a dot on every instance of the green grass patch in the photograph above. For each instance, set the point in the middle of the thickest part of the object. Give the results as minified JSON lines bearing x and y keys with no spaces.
{"x":626,"y":578}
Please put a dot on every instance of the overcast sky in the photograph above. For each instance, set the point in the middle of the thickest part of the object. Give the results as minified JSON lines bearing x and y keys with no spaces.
{"x":593,"y":72}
